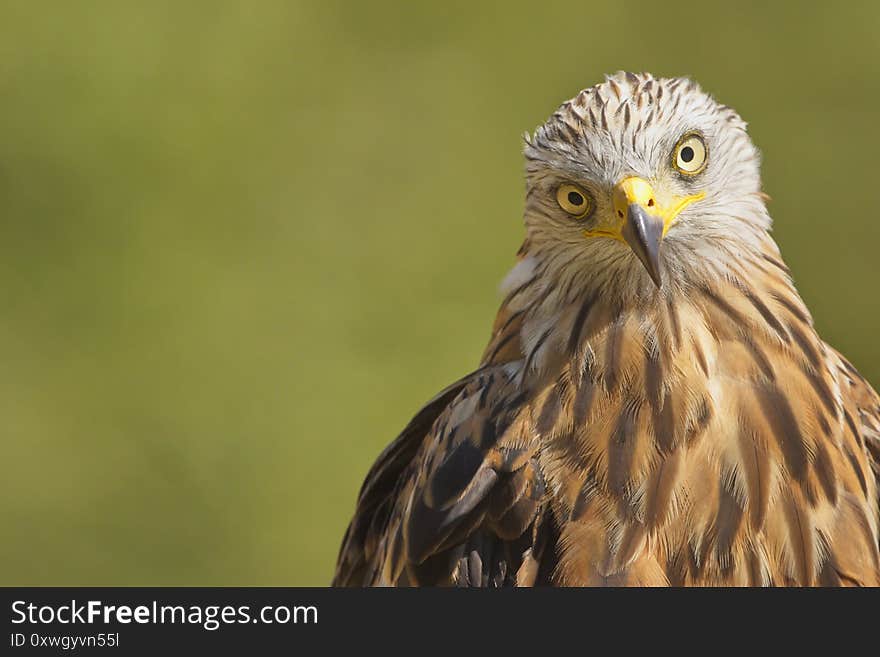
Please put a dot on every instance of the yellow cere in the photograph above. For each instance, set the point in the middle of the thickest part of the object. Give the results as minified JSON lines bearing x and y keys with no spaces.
{"x":638,"y":191}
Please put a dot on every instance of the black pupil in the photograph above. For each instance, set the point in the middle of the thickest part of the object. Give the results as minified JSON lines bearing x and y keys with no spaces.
{"x":687,"y":154}
{"x":575,"y":199}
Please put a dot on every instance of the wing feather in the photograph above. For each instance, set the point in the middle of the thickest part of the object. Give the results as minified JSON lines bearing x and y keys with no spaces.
{"x":455,"y":498}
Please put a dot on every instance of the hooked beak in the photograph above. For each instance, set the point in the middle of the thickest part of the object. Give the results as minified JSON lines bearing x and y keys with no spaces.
{"x":645,"y":222}
{"x":643,"y":232}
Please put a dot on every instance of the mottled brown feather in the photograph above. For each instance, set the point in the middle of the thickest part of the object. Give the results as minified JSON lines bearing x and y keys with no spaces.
{"x":699,"y":434}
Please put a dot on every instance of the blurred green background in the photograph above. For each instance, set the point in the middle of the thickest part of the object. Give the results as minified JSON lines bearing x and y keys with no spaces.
{"x":241,"y":243}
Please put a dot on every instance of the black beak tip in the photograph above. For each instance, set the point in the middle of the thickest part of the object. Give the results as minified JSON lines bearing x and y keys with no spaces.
{"x":644,"y":232}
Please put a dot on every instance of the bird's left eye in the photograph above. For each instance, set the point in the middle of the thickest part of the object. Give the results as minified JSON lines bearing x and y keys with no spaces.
{"x":690,"y":154}
{"x":573,"y":200}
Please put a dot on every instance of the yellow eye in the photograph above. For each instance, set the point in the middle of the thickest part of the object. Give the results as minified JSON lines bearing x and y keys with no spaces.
{"x":573,"y":200}
{"x":690,"y":154}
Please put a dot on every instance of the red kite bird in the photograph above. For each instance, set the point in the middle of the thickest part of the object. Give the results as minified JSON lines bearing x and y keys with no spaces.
{"x":654,"y":406}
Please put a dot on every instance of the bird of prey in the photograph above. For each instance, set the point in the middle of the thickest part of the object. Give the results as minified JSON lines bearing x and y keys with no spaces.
{"x":654,"y":406}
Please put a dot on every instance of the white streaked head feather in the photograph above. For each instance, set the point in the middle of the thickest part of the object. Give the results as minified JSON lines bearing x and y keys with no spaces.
{"x":629,"y":125}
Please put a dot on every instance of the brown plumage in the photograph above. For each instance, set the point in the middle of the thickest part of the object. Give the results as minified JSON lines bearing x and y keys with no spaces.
{"x":641,"y":416}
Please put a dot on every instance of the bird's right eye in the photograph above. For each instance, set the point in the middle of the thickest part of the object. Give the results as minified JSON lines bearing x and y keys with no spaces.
{"x":573,"y":200}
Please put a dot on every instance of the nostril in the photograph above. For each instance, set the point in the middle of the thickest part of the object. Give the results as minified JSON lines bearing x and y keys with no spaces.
{"x":650,"y":203}
{"x":620,"y":214}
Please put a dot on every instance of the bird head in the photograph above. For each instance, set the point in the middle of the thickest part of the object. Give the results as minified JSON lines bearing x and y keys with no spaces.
{"x":641,"y":184}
